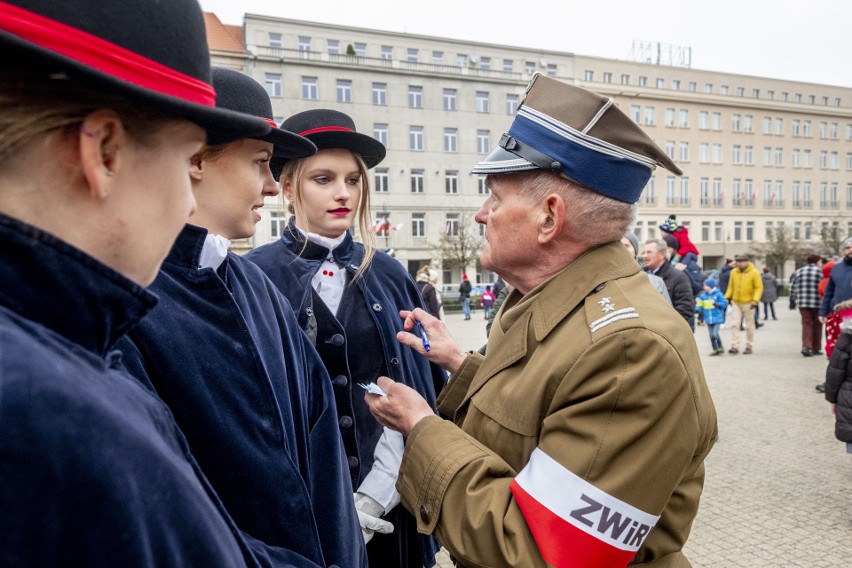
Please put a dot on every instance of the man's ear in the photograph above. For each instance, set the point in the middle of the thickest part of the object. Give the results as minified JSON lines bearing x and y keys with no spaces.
{"x":101,"y":138}
{"x":552,"y":218}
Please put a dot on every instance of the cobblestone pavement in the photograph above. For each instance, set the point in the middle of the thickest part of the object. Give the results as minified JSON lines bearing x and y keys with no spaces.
{"x":778,"y":491}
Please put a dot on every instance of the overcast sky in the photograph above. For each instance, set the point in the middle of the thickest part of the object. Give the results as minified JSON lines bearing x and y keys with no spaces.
{"x":804,"y":40}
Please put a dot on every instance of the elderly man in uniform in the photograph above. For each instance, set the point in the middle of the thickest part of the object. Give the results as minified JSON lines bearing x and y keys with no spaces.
{"x":579,"y":438}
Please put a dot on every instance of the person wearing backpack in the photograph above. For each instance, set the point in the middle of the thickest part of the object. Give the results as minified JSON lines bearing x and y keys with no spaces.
{"x":487,"y":300}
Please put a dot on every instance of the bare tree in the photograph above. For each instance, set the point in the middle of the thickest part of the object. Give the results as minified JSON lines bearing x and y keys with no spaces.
{"x":780,"y":246}
{"x":832,"y":234}
{"x":459,"y":242}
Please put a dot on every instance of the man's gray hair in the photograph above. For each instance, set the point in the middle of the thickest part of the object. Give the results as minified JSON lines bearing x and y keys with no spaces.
{"x":660,"y":245}
{"x":846,"y":241}
{"x":594,"y":218}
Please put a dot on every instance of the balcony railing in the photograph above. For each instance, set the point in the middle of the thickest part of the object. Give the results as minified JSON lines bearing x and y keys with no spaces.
{"x":382,"y":63}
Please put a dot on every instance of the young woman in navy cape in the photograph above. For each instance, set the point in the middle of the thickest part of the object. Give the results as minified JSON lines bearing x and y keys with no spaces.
{"x":98,"y":123}
{"x":347,"y":297}
{"x":224,"y":351}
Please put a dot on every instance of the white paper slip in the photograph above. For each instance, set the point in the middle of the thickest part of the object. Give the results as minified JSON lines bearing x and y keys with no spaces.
{"x":373,"y":388}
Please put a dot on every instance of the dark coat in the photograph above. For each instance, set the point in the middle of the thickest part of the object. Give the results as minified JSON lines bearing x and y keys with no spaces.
{"x":93,"y":470}
{"x":228,"y":357}
{"x":430,"y":298}
{"x":838,"y":383}
{"x":725,"y":277}
{"x":680,"y":291}
{"x":384,"y":289}
{"x":839,"y":286}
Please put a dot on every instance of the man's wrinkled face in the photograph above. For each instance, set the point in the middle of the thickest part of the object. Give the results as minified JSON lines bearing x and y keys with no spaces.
{"x":847,"y":251}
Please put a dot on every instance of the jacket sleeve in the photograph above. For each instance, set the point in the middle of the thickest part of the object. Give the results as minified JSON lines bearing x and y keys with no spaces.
{"x":757,"y":283}
{"x":682,"y":299}
{"x":592,"y":447}
{"x":825,"y":306}
{"x":838,"y":365}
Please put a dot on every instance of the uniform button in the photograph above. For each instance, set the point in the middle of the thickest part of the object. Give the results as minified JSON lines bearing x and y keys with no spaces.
{"x":395,"y":363}
{"x":345,"y":422}
{"x":424,"y":514}
{"x":377,"y":307}
{"x":353,"y":462}
{"x":337,"y":340}
{"x":340,"y":381}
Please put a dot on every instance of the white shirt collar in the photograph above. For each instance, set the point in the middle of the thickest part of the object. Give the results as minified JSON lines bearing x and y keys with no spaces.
{"x":214,"y":251}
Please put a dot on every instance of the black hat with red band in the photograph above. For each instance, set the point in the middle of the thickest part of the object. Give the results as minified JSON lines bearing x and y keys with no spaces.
{"x":149,"y":51}
{"x":332,"y":129}
{"x":237,"y":91}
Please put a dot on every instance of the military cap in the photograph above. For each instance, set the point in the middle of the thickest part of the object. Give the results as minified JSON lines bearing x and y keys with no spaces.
{"x":582,"y":135}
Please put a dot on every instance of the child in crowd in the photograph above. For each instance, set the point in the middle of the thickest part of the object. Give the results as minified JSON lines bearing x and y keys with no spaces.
{"x":711,"y":305}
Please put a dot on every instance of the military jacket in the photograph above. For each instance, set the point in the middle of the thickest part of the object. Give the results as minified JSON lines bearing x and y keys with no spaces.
{"x":578,"y":439}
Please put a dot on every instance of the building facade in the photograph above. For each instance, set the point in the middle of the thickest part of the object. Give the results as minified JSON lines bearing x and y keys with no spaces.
{"x":757,"y":153}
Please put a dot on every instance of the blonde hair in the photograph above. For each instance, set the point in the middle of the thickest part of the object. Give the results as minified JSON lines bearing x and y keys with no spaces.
{"x":294,"y":170}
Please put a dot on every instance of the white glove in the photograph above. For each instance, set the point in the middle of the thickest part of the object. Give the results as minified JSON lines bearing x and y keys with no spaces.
{"x":369,"y":511}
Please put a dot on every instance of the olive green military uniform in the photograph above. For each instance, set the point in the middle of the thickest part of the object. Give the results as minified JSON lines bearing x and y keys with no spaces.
{"x":594,"y":370}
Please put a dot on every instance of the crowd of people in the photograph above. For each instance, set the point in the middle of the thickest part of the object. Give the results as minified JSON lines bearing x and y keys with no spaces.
{"x":166,"y":402}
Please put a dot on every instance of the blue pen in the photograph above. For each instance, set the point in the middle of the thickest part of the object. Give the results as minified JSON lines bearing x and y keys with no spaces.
{"x":423,"y":336}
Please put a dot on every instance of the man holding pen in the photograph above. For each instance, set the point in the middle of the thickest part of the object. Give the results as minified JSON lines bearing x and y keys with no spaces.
{"x":579,"y":438}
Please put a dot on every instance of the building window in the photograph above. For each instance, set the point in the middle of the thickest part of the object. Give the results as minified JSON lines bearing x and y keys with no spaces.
{"x":779,"y":126}
{"x":636,"y":113}
{"x":749,"y":235}
{"x":693,"y":87}
{"x":736,"y":189}
{"x":823,"y":130}
{"x":738,"y":231}
{"x":702,"y":119}
{"x":832,"y":131}
{"x":380,"y":133}
{"x":450,"y":99}
{"x":625,"y":79}
{"x":451,"y":181}
{"x":650,"y":198}
{"x":412,"y":54}
{"x":417,"y":181}
{"x":607,"y":77}
{"x":675,"y":84}
{"x":482,"y":101}
{"x":529,"y":67}
{"x":748,"y":155}
{"x":415,"y":96}
{"x":380,"y":94}
{"x":684,"y":190}
{"x":344,"y":91}
{"x":684,"y":118}
{"x":461,"y":60}
{"x":705,"y":231}
{"x":274,"y":40}
{"x":485,"y":63}
{"x":779,"y":193}
{"x":807,"y":198}
{"x":309,"y":88}
{"x":767,"y":156}
{"x":749,"y":192}
{"x":551,"y":70}
{"x":381,"y":180}
{"x":304,"y":43}
{"x":418,"y":225}
{"x":767,"y":125}
{"x":670,"y":117}
{"x":451,"y":226}
{"x":511,"y":104}
{"x":483,"y":141}
{"x":272,"y":82}
{"x":670,"y":190}
{"x":794,"y":129}
{"x":451,"y":136}
{"x":735,"y":122}
{"x":589,"y":75}
{"x":806,"y":158}
{"x":482,"y":186}
{"x":670,"y":149}
{"x":708,"y":88}
{"x":661,"y":83}
{"x":704,"y":199}
{"x":684,"y":151}
{"x":703,"y":152}
{"x":332,"y":46}
{"x":716,"y":120}
{"x":718,"y":194}
{"x":735,"y":154}
{"x":508,"y":65}
{"x":748,"y":121}
{"x":415,"y":138}
{"x":649,"y":115}
{"x":643,"y":81}
{"x":438,"y":57}
{"x":716,"y":150}
{"x":360,"y":49}
{"x":277,"y":221}
{"x":806,"y":128}
{"x":387,"y":52}
{"x":740,"y":91}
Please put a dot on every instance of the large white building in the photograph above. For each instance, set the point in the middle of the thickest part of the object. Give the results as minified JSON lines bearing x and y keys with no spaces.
{"x":756,"y":152}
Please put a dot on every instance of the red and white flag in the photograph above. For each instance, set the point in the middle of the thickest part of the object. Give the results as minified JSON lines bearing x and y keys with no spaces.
{"x":574,"y":523}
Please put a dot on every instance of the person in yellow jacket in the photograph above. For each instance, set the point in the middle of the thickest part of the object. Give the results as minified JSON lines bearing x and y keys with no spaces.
{"x":578,"y":439}
{"x":744,"y":291}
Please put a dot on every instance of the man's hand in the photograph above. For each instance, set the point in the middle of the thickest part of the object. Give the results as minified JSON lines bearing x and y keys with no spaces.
{"x":443,"y":350}
{"x":822,"y":319}
{"x":401,"y":409}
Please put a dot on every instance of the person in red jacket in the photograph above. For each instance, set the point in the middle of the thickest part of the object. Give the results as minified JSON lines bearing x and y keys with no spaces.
{"x":681,"y":233}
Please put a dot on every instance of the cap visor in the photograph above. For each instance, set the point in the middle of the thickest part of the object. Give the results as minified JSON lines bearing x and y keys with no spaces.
{"x":501,"y":161}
